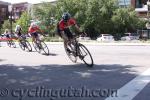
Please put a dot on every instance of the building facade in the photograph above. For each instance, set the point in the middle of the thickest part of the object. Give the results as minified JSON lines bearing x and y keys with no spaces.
{"x":140,"y":7}
{"x":3,"y":11}
{"x":19,"y":8}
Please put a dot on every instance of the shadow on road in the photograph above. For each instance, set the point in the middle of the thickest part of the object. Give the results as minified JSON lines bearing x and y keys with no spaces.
{"x":62,"y":76}
{"x":50,"y":54}
{"x":2,"y":60}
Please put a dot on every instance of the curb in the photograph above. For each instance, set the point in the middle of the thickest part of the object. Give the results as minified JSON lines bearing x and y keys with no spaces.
{"x":100,"y":44}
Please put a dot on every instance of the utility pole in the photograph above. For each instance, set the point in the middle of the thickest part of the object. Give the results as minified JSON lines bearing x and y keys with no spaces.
{"x":148,"y":23}
{"x":11,"y":17}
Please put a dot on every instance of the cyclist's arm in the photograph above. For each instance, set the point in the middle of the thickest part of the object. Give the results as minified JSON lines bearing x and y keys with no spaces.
{"x":41,"y":32}
{"x":73,"y":22}
{"x":78,"y":28}
{"x":80,"y":31}
{"x":29,"y":30}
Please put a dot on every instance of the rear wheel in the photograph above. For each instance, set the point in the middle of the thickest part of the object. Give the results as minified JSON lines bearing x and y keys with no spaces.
{"x":85,"y":55}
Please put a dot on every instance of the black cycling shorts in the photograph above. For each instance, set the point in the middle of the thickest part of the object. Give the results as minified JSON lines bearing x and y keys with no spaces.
{"x":35,"y":35}
{"x":68,"y":33}
{"x":7,"y":36}
{"x":19,"y":34}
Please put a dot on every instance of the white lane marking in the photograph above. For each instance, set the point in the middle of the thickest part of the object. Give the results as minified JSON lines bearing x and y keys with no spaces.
{"x":131,"y":89}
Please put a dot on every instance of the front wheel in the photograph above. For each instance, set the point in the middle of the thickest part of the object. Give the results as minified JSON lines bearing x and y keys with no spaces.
{"x":11,"y":43}
{"x":85,"y":55}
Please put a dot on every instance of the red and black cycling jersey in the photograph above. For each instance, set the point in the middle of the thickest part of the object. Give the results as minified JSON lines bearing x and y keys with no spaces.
{"x":33,"y":29}
{"x":62,"y":25}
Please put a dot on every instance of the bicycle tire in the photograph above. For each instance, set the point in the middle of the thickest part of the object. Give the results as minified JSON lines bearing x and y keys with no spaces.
{"x":22,"y":45}
{"x":82,"y":50}
{"x":8,"y":43}
{"x":35,"y":45}
{"x":11,"y":43}
{"x":44,"y":47}
{"x":28,"y":46}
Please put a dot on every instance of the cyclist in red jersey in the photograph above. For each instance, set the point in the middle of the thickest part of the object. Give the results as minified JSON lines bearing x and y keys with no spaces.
{"x":33,"y":30}
{"x":63,"y":27}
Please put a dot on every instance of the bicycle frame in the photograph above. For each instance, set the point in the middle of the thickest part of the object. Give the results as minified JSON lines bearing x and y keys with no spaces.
{"x":75,"y":42}
{"x":78,"y":50}
{"x":38,"y":43}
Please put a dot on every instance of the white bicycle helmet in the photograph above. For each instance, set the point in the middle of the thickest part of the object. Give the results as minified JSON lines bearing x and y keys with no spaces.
{"x":33,"y":24}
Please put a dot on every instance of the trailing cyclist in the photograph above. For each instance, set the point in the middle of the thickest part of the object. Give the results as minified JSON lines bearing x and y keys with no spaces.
{"x":34,"y":31}
{"x":38,"y":44}
{"x":18,"y":31}
{"x":7,"y":34}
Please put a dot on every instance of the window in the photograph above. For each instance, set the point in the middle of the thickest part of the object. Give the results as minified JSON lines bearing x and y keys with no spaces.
{"x":124,"y":2}
{"x":3,"y":11}
{"x":138,"y":4}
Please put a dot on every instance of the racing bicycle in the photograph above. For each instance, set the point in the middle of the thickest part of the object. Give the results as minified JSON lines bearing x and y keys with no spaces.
{"x":40,"y":46}
{"x":24,"y":44}
{"x":76,"y":50}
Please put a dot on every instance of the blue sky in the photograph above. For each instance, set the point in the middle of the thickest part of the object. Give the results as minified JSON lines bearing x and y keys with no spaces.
{"x":30,"y":1}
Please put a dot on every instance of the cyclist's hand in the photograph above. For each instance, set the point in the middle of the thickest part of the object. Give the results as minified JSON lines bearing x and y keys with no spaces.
{"x":83,"y":34}
{"x":43,"y":34}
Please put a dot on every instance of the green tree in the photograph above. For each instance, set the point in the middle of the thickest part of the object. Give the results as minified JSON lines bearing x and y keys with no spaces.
{"x":45,"y":13}
{"x":24,"y":22}
{"x":99,"y":15}
{"x":7,"y":25}
{"x":126,"y":20}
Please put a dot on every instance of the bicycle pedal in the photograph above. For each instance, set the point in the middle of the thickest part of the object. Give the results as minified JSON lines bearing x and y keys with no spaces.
{"x":68,"y":50}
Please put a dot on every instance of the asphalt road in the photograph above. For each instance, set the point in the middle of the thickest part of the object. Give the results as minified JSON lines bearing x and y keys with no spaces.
{"x":32,"y":76}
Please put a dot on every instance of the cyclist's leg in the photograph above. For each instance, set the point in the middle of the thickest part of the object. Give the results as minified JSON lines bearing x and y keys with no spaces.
{"x":34,"y":37}
{"x":65,"y":38}
{"x":19,"y":36}
{"x":68,"y":33}
{"x":37,"y":38}
{"x":7,"y":36}
{"x":70,"y":37}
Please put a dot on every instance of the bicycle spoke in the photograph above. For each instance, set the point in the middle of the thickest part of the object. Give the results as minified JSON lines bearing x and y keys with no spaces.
{"x":27,"y":45}
{"x":35,"y":45}
{"x":45,"y":48}
{"x":21,"y":45}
